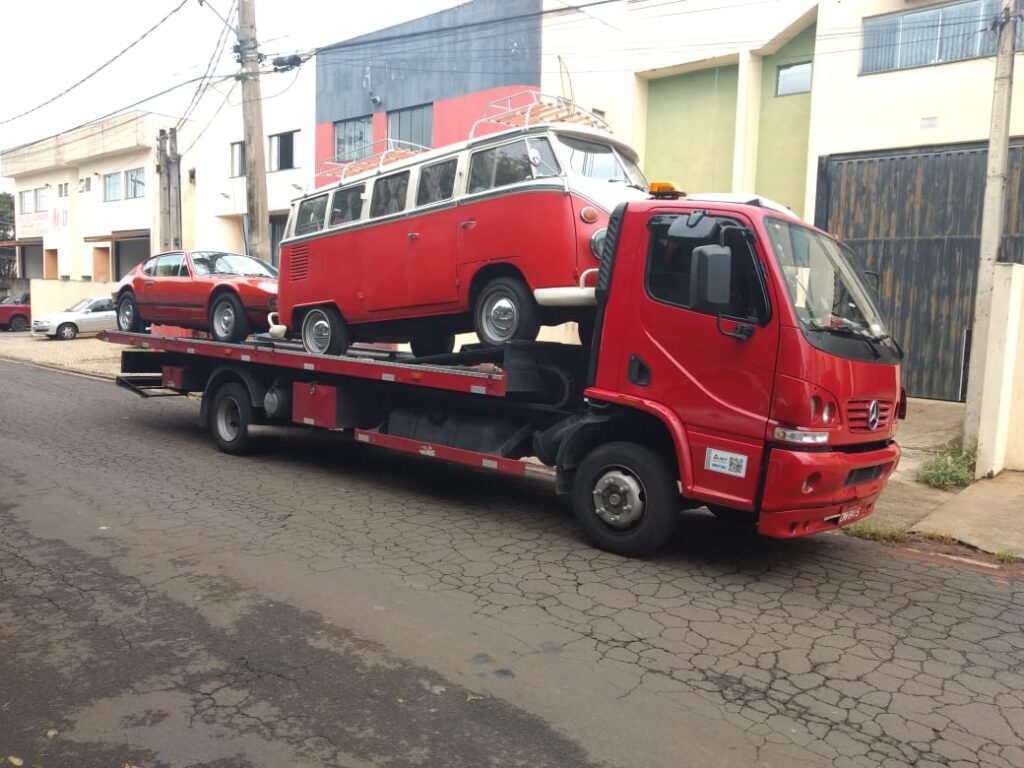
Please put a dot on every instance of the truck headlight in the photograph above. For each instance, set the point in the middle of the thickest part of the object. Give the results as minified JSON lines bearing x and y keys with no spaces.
{"x":800,"y":437}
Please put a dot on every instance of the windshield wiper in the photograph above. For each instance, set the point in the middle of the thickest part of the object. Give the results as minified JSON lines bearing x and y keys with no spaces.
{"x":849,"y":332}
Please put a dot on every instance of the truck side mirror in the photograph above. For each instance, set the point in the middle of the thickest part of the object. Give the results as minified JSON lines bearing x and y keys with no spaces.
{"x":710,"y":275}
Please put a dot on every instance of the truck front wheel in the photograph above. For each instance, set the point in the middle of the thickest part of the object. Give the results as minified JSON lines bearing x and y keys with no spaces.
{"x":625,"y":498}
{"x":230,"y":418}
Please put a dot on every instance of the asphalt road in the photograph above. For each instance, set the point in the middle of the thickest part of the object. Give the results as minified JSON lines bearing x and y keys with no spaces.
{"x":326,"y":604}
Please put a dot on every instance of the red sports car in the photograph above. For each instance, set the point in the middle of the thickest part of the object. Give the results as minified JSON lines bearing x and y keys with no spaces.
{"x":227,"y":294}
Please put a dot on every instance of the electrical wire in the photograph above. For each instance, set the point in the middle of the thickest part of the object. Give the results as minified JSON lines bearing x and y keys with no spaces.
{"x":212,"y":118}
{"x":99,"y":69}
{"x":218,"y":51}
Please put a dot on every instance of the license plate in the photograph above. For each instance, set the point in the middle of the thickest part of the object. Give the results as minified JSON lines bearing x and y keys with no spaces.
{"x":851,"y":513}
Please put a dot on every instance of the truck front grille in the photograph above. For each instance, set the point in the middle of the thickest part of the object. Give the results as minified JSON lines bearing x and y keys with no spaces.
{"x":858,"y":415}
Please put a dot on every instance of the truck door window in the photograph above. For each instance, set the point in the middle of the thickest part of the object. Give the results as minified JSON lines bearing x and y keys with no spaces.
{"x":347,"y":205}
{"x":668,"y":271}
{"x":310,"y":217}
{"x":437,"y":182}
{"x":513,"y":163}
{"x":389,"y":194}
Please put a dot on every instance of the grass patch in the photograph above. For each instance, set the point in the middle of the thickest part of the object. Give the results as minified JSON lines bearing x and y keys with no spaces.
{"x":951,"y":469}
{"x":941,"y":538}
{"x":1006,"y":556}
{"x":880,"y":533}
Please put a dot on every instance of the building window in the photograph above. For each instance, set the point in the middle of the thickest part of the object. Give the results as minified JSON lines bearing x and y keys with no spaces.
{"x":62,"y":190}
{"x":414,"y":125}
{"x":134,"y":183}
{"x":931,"y":36}
{"x":238,"y":158}
{"x":352,"y":138}
{"x":40,"y":194}
{"x":25,"y":202}
{"x":793,"y":78}
{"x":111,"y":187}
{"x":85,"y":185}
{"x":282,"y":151}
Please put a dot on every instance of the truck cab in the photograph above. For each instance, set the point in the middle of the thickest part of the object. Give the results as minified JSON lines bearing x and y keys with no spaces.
{"x":753,"y":345}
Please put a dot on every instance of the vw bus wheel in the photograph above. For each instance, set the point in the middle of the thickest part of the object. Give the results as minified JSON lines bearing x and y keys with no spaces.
{"x":505,"y":311}
{"x":625,"y":499}
{"x":324,"y":332}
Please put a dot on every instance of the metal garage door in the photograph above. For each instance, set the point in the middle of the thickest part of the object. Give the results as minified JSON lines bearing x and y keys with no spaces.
{"x":914,"y":216}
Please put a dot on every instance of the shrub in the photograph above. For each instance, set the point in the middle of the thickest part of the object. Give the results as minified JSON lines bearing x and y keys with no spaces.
{"x":951,"y":469}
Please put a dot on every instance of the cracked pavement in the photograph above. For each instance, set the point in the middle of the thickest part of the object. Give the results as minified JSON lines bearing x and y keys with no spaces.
{"x":322,"y":603}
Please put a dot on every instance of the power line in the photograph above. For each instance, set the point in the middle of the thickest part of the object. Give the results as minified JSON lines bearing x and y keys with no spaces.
{"x":212,"y":118}
{"x":98,"y":69}
{"x":218,"y":50}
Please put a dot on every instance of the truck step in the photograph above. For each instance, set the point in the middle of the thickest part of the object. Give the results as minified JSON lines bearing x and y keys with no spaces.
{"x":147,"y":386}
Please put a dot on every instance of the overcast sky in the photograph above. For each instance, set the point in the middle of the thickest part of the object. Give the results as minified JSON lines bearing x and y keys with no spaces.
{"x":50,"y":44}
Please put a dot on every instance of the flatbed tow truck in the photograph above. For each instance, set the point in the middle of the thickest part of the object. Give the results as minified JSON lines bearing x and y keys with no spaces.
{"x":710,"y":381}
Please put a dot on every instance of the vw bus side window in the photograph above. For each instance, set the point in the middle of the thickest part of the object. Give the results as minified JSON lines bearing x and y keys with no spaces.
{"x":347,"y":205}
{"x":310,"y":217}
{"x":389,"y":194}
{"x":511,"y":163}
{"x":437,"y":182}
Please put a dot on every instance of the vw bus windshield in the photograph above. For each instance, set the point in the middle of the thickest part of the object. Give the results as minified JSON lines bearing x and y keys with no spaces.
{"x":600,"y":161}
{"x":822,"y":282}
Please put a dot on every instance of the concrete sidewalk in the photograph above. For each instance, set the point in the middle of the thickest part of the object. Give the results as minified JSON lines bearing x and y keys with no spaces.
{"x":988,"y":515}
{"x":82,"y":355}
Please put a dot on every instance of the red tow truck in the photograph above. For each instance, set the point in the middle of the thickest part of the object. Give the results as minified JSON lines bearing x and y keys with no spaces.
{"x":738,"y":362}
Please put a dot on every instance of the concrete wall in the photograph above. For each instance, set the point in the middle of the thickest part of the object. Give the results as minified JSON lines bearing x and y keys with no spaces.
{"x":49,"y":296}
{"x":691,"y":128}
{"x":783,"y":127}
{"x":996,"y":418}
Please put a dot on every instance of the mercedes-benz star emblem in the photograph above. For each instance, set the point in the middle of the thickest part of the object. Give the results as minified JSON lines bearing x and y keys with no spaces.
{"x":873,"y":415}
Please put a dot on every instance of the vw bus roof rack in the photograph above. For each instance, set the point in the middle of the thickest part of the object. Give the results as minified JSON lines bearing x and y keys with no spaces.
{"x":379,"y":154}
{"x":528,"y":108}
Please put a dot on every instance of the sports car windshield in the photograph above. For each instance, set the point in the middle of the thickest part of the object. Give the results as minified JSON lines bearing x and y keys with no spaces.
{"x":220,"y":263}
{"x":823,"y":284}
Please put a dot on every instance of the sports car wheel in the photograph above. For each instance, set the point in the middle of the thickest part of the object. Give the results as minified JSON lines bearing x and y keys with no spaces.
{"x":228,"y":322}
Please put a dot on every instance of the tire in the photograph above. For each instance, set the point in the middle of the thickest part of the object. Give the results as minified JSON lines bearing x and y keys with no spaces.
{"x":324,"y":332}
{"x":67,"y":331}
{"x":429,"y":344}
{"x":228,"y":323}
{"x":128,"y":319}
{"x":18,"y":323}
{"x":623,"y":474}
{"x":505,"y":311}
{"x":230,"y":419}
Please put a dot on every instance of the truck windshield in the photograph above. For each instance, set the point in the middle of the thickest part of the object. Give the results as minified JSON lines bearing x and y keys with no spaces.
{"x":823,"y":284}
{"x":600,"y":161}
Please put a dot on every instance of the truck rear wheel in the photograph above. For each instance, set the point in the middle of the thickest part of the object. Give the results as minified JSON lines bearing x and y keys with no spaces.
{"x":625,"y":499}
{"x":324,"y":332}
{"x":230,"y":418}
{"x":505,"y":311}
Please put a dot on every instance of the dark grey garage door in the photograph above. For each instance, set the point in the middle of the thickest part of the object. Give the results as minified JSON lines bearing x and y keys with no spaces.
{"x":914,"y":216}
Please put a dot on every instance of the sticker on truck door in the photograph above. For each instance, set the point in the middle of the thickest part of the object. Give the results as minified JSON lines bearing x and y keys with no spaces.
{"x":726,"y":463}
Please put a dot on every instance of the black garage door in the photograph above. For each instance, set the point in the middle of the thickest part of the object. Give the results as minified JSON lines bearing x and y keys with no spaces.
{"x":914,"y":216}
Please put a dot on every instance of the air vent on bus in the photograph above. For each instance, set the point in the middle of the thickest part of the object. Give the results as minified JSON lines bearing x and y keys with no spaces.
{"x":299,"y":262}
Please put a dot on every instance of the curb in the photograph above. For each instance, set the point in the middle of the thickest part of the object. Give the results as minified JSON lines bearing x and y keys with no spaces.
{"x":61,"y":369}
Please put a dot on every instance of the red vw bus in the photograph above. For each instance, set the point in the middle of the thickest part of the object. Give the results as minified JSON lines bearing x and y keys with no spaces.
{"x":498,"y":234}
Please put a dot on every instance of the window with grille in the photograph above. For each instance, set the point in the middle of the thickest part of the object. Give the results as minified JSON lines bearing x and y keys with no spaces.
{"x":414,"y":125}
{"x":352,"y":138}
{"x":135,"y":183}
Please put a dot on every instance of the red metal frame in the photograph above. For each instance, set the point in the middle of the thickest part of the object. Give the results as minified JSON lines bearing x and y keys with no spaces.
{"x":449,"y":379}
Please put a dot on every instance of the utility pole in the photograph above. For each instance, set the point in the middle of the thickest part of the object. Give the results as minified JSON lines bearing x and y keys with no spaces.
{"x":252,"y":117}
{"x":992,"y":221}
{"x":169,"y":170}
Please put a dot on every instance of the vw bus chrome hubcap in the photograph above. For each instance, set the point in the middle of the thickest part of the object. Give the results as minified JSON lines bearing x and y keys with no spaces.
{"x":500,"y":317}
{"x":316,"y":335}
{"x":619,"y":499}
{"x":225,"y":319}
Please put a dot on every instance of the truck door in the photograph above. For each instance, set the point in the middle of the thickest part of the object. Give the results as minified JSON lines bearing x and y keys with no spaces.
{"x":713,"y":364}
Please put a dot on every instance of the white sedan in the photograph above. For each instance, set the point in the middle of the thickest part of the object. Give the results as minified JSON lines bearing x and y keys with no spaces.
{"x":87,"y":316}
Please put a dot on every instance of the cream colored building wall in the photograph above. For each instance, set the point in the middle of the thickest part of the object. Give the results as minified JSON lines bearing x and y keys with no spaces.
{"x":850,"y":112}
{"x":604,"y":56}
{"x":49,"y":296}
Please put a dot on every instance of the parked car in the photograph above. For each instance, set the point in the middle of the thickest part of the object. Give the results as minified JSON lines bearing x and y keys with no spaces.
{"x":86,"y":316}
{"x":499,"y":234}
{"x":15,"y":312}
{"x":227,"y":294}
